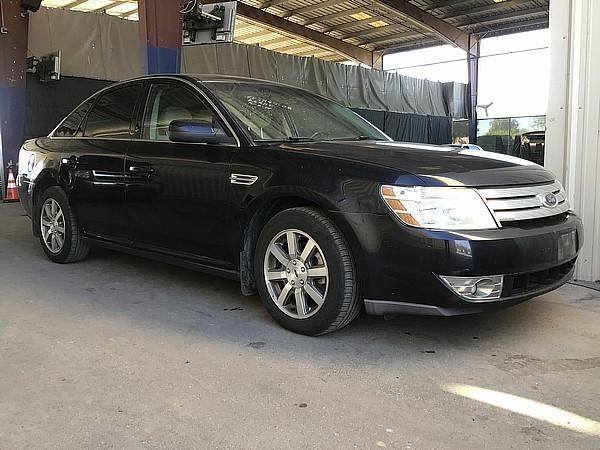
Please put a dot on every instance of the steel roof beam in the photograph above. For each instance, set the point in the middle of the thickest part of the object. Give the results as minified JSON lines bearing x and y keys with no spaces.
{"x":508,"y":15}
{"x":252,"y":35}
{"x":130,"y":13}
{"x":446,"y":32}
{"x":276,"y":41}
{"x":391,"y":27}
{"x":291,"y":47}
{"x":388,"y":38}
{"x":442,"y":4}
{"x":511,"y":14}
{"x":350,"y":51}
{"x":73,"y":4}
{"x":271,"y":3}
{"x":486,"y":8}
{"x":528,"y":23}
{"x":346,"y":13}
{"x":316,"y":7}
{"x":352,"y":24}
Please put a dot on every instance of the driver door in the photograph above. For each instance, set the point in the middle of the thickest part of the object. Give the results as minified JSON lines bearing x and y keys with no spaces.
{"x":178,"y":194}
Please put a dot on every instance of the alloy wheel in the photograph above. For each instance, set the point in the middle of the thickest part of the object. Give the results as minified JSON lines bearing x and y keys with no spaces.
{"x":52,"y":222}
{"x":296,"y":273}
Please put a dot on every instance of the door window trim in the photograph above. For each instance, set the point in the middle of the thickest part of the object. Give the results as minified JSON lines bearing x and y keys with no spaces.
{"x":174,"y":81}
{"x":109,"y":90}
{"x":146,"y":81}
{"x":141,"y":123}
{"x":96,"y":96}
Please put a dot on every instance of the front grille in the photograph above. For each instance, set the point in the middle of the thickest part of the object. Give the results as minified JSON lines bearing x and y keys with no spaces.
{"x":524,"y":203}
{"x":535,"y":281}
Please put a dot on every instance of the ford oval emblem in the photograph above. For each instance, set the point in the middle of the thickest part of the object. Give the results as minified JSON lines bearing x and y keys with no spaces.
{"x":549,"y":200}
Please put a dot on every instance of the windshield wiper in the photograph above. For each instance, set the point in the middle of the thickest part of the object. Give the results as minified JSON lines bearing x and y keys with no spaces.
{"x":313,"y":139}
{"x":287,"y":139}
{"x":367,"y":138}
{"x":358,"y":138}
{"x":300,"y":139}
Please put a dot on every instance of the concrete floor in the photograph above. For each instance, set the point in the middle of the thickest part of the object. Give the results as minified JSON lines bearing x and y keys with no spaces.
{"x":122,"y":352}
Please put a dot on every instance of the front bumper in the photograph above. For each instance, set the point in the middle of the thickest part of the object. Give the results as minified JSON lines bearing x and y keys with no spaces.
{"x":399,"y":265}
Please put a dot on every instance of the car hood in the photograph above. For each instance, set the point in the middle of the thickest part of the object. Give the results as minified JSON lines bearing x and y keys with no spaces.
{"x":434,"y":165}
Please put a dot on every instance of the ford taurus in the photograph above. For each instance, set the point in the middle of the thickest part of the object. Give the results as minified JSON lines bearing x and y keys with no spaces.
{"x":299,"y":199}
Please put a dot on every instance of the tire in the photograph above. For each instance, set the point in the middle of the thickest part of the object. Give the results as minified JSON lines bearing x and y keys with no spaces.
{"x":336,"y":292}
{"x":65,"y":227}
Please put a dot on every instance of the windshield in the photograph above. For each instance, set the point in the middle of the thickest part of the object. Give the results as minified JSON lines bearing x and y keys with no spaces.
{"x":273,"y":113}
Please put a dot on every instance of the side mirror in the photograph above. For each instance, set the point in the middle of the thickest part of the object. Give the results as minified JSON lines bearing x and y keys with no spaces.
{"x":196,"y":132}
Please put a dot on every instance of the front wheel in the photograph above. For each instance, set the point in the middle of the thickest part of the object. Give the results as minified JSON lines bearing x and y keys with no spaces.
{"x":60,"y":234}
{"x":305,"y":272}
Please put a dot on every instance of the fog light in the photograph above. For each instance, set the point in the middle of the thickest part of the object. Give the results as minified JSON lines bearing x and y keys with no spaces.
{"x":476,"y":288}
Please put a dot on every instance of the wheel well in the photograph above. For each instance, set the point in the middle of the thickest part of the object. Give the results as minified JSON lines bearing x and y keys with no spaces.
{"x":40,"y":188}
{"x":257,"y":222}
{"x":252,"y":230}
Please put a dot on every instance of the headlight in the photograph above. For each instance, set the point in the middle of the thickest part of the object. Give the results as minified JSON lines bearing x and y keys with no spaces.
{"x":442,"y":208}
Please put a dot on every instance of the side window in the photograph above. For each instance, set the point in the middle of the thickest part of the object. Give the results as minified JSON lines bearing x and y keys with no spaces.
{"x":70,"y":126}
{"x":111,"y":116}
{"x":168,"y":102}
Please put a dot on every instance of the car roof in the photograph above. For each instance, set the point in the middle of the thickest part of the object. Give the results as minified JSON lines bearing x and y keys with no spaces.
{"x":208,"y":78}
{"x":235,"y":78}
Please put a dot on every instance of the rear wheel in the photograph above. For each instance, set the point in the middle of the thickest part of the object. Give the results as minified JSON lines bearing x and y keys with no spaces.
{"x":305,"y":272}
{"x":60,"y":234}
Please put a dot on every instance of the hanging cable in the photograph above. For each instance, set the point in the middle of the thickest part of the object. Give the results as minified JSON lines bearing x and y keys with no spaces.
{"x":187,"y":8}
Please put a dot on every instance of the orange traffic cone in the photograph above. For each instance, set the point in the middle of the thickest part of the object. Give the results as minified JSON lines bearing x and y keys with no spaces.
{"x":12,"y":193}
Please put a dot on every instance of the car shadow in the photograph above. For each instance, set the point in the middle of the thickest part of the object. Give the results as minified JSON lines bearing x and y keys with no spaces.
{"x":166,"y":296}
{"x":138,"y":292}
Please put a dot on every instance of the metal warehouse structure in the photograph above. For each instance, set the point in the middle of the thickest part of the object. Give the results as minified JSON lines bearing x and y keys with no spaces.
{"x":363,"y":31}
{"x":338,"y":30}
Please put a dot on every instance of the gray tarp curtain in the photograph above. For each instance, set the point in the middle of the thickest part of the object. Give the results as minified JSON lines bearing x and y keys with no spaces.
{"x":409,"y":127}
{"x":103,"y":47}
{"x":92,"y":45}
{"x":354,"y":86}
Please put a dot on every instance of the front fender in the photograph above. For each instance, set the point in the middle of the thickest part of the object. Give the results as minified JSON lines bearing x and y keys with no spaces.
{"x":260,"y":209}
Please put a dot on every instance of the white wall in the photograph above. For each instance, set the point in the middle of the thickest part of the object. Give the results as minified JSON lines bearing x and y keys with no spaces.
{"x":573,"y":119}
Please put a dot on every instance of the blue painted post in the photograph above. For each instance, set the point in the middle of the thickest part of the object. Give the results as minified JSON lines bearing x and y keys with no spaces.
{"x":160,"y":35}
{"x":13,"y":56}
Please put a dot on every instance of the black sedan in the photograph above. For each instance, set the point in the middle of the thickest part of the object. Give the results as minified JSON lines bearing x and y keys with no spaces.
{"x":298,"y":198}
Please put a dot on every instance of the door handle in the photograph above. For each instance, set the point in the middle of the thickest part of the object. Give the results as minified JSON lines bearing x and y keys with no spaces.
{"x":140,"y":170}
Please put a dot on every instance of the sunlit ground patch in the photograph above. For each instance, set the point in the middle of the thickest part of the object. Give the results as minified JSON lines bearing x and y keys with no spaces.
{"x":526,"y":407}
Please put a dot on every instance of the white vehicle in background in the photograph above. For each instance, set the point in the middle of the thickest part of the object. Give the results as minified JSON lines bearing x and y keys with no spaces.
{"x":466,"y":146}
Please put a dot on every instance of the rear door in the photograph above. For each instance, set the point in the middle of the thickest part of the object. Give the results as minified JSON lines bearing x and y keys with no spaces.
{"x":95,"y":162}
{"x":178,"y":194}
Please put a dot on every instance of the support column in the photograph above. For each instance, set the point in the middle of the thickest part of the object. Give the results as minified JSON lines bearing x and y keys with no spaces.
{"x":573,"y":118}
{"x":160,"y":35}
{"x":13,"y":56}
{"x":377,"y":58}
{"x":473,"y":68}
